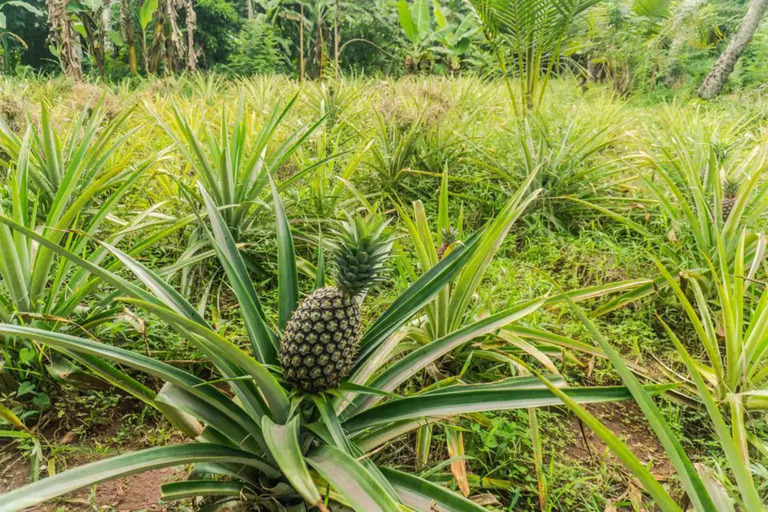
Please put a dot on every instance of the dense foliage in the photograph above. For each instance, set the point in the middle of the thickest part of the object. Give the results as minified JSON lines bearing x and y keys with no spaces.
{"x":655,"y":46}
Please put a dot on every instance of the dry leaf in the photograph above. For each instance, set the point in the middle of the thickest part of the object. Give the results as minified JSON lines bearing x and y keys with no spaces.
{"x":590,"y":367}
{"x":635,"y":497}
{"x":68,"y":437}
{"x":486,"y":499}
{"x":458,"y":467}
{"x":134,"y":321}
{"x":671,"y":236}
{"x":720,"y":329}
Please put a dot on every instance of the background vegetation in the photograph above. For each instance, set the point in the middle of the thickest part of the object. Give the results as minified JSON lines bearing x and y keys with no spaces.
{"x":657,"y":47}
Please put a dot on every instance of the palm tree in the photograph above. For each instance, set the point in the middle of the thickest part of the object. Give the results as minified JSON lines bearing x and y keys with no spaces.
{"x":536,"y":32}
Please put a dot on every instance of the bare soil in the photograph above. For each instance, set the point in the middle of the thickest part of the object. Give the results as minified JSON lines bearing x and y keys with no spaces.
{"x":140,"y":492}
{"x":129,"y":494}
{"x":626,"y":420}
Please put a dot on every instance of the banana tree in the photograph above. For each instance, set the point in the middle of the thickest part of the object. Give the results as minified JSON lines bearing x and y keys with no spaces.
{"x":429,"y":42}
{"x":455,"y":39}
{"x":90,"y":14}
{"x":415,"y":21}
{"x":145,"y":14}
{"x":272,"y":445}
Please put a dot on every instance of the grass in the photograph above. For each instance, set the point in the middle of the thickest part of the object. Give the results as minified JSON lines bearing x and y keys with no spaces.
{"x":393,"y":140}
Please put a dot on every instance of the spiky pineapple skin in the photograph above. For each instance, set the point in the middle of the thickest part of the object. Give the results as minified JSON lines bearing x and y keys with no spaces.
{"x":730,"y":191}
{"x":319,"y":345}
{"x":727,"y":205}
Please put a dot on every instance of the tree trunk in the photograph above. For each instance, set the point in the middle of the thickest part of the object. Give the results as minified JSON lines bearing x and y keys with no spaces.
{"x":158,"y":39}
{"x":336,"y":40}
{"x":189,"y":8}
{"x":174,"y":46}
{"x":713,"y":83}
{"x":126,"y":25}
{"x":106,"y":25}
{"x":92,"y":34}
{"x":65,"y":38}
{"x":320,"y":47}
{"x":301,"y":44}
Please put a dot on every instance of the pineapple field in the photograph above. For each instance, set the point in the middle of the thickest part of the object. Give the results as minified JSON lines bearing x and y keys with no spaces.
{"x":380,"y":294}
{"x":383,"y":255}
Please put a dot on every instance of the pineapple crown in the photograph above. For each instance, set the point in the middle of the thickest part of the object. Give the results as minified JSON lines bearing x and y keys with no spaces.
{"x":360,"y":250}
{"x":720,"y":149}
{"x":449,"y":235}
{"x":731,"y":186}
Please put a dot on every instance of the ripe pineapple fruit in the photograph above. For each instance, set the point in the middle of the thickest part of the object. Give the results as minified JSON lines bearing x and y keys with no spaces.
{"x":319,"y":344}
{"x":730,"y":191}
{"x":449,"y":236}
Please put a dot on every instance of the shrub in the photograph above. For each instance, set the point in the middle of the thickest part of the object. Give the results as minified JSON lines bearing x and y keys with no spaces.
{"x":217,"y":26}
{"x":256,"y":52}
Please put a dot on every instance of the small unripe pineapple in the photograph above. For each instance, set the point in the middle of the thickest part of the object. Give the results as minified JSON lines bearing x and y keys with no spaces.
{"x":449,"y":236}
{"x":730,"y":191}
{"x":319,"y":344}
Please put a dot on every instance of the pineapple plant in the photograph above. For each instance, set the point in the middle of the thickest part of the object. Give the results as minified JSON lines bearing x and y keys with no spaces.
{"x":449,"y":236}
{"x":730,"y":191}
{"x":319,"y":344}
{"x":255,"y":436}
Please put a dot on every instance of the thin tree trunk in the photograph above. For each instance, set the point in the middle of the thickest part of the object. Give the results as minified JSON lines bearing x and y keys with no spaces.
{"x":158,"y":39}
{"x":189,"y":8}
{"x":336,"y":39}
{"x":174,"y":44}
{"x":713,"y":83}
{"x":106,"y":25}
{"x":127,"y":28}
{"x":249,"y":5}
{"x":301,"y":44}
{"x":320,"y":47}
{"x":93,"y":36}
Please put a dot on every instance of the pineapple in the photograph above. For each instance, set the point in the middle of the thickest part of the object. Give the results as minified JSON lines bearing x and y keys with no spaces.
{"x":730,"y":190}
{"x":449,"y":237}
{"x":319,"y":345}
